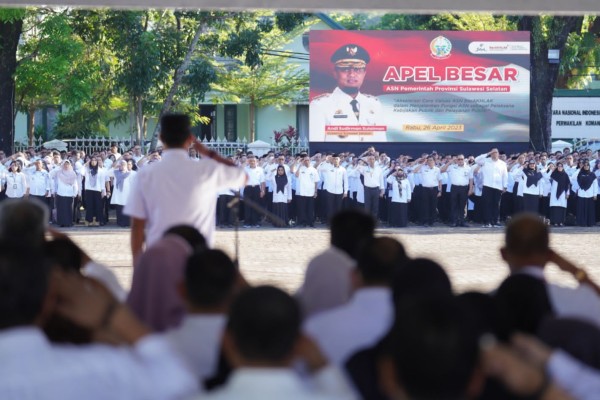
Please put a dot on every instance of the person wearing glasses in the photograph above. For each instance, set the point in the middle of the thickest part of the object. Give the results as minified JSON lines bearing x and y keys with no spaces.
{"x":346,"y":105}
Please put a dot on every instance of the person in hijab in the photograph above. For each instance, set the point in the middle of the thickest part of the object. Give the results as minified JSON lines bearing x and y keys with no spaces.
{"x":532,"y":188}
{"x":67,"y":188}
{"x":95,"y":191}
{"x":282,"y":193}
{"x":158,"y":272}
{"x":401,"y":195}
{"x":586,"y":195}
{"x":559,"y":194}
{"x":123,"y":177}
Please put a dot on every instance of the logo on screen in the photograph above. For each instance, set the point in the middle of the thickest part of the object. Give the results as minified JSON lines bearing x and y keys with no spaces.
{"x":440,"y":47}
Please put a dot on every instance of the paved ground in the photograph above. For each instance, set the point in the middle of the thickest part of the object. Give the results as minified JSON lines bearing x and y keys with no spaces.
{"x":279,"y":256}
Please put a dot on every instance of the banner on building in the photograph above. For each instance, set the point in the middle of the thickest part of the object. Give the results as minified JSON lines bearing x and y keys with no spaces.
{"x":419,"y":86}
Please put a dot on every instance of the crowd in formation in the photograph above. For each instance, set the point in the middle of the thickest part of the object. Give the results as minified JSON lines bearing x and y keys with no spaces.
{"x":304,"y":190}
{"x":485,"y":189}
{"x":368,"y":322}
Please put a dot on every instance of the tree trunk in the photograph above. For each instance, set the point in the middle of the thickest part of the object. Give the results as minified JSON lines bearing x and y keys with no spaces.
{"x":168,"y":103}
{"x":139,"y":119}
{"x":252,"y":121}
{"x":10,"y":32}
{"x":30,"y":125}
{"x":543,"y":74}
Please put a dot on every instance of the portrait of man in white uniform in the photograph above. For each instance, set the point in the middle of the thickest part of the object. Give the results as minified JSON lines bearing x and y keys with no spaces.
{"x":346,"y":106}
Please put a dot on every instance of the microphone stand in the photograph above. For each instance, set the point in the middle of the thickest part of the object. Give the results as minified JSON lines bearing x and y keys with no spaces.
{"x":234,"y":205}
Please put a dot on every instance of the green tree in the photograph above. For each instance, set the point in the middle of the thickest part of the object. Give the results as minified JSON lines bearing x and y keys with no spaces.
{"x":51,"y":69}
{"x":274,"y":83}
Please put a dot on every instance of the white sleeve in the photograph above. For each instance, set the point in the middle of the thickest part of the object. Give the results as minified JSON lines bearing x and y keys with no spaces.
{"x":578,"y":380}
{"x":330,"y":381}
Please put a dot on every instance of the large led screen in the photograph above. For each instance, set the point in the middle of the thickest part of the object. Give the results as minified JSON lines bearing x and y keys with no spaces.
{"x":419,"y":86}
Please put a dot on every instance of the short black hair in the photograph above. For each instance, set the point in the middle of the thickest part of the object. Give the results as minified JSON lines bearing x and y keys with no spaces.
{"x":380,"y":259}
{"x":420,"y":277}
{"x":210,"y":277}
{"x":65,"y":254}
{"x":24,"y":276}
{"x":351,"y":229}
{"x":434,"y":348}
{"x":265,"y":324}
{"x":190,"y":234}
{"x":175,"y":129}
{"x":23,"y":221}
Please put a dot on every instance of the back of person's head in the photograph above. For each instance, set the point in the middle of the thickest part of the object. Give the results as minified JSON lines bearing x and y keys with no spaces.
{"x":191,"y":235}
{"x":63,"y":253}
{"x":24,"y":276}
{"x":264,"y":323}
{"x":420,"y":277}
{"x":526,"y":236}
{"x":523,"y":303}
{"x":379,"y":260}
{"x":210,"y":278}
{"x":175,"y":129}
{"x":434,"y":348}
{"x":23,"y":221}
{"x":350,"y":229}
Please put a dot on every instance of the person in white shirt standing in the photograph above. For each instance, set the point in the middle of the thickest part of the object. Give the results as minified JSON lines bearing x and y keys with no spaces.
{"x":124,"y":175}
{"x":495,"y":181}
{"x":177,"y":190}
{"x":39,"y":183}
{"x":335,"y":186}
{"x":95,"y":191}
{"x":254,"y":191}
{"x":16,"y":182}
{"x":431,"y":179}
{"x":373,"y":181}
{"x":461,"y":187}
{"x":306,"y":192}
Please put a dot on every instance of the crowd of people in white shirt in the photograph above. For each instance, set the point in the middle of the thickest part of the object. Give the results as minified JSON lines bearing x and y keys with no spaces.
{"x":433,"y":189}
{"x":367,"y":322}
{"x":303,"y":190}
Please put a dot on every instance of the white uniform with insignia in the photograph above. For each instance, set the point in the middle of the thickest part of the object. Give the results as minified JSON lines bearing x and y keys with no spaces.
{"x":335,"y":109}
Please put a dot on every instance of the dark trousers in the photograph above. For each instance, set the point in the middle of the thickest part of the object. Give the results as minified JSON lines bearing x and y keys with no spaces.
{"x":122,"y":219}
{"x":398,"y":214}
{"x":586,"y":211}
{"x":333,"y":204}
{"x":458,"y":202}
{"x":93,"y":206}
{"x":224,"y":214}
{"x":305,"y":208}
{"x":531,"y":203}
{"x":428,"y":205}
{"x":414,"y":207}
{"x":45,"y":200}
{"x":444,"y":207}
{"x":558,"y":215}
{"x":251,"y":193}
{"x":491,"y":205}
{"x":372,"y":200}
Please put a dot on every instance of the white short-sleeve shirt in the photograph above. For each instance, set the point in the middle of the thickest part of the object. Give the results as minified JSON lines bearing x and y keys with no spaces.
{"x":177,"y":191}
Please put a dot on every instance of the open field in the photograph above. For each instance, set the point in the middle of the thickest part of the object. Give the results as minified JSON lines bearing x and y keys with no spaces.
{"x":279,"y":256}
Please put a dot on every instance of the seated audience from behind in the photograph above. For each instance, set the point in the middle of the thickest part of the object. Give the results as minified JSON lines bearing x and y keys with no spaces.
{"x":210,"y":284}
{"x":32,"y":367}
{"x":327,"y":280}
{"x":527,"y":251}
{"x":369,"y":314}
{"x":261,"y":341}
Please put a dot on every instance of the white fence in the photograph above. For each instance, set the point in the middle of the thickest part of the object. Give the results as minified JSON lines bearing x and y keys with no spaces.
{"x":91,"y":145}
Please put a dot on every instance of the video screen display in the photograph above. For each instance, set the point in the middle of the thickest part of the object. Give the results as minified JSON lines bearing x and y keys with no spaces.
{"x":419,"y":86}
